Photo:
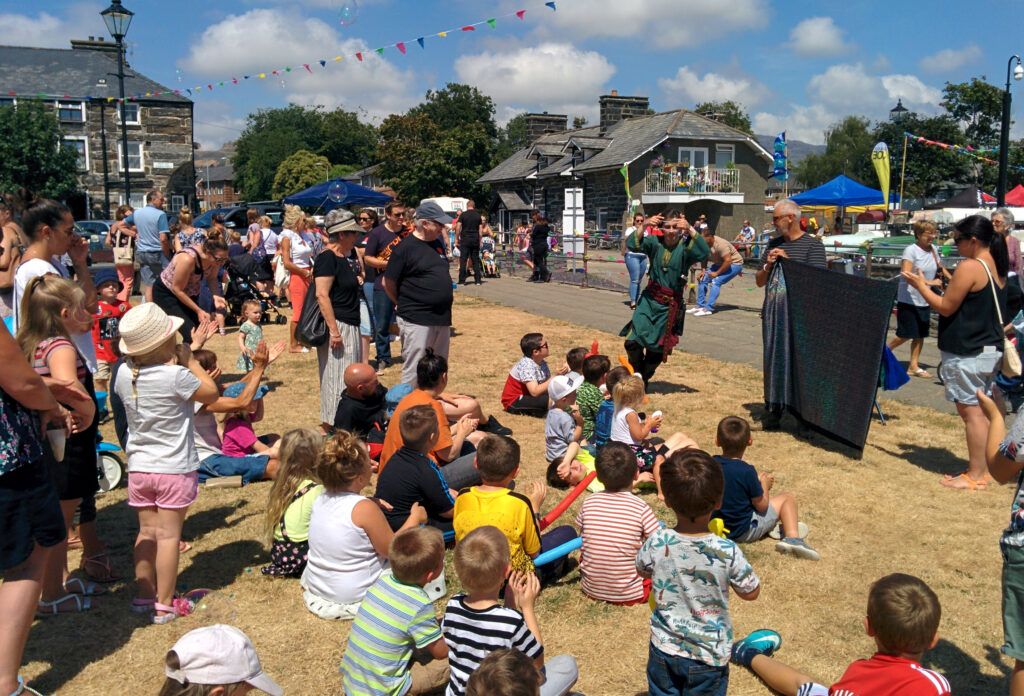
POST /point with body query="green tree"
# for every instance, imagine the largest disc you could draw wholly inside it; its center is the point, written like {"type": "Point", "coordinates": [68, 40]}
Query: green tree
{"type": "Point", "coordinates": [340, 170]}
{"type": "Point", "coordinates": [579, 122]}
{"type": "Point", "coordinates": [511, 139]}
{"type": "Point", "coordinates": [457, 105]}
{"type": "Point", "coordinates": [978, 107]}
{"type": "Point", "coordinates": [728, 112]}
{"type": "Point", "coordinates": [31, 154]}
{"type": "Point", "coordinates": [927, 167]}
{"type": "Point", "coordinates": [347, 140]}
{"type": "Point", "coordinates": [299, 171]}
{"type": "Point", "coordinates": [847, 151]}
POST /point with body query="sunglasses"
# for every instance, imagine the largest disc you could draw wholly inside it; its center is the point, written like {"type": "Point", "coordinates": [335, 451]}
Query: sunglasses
{"type": "Point", "coordinates": [221, 260]}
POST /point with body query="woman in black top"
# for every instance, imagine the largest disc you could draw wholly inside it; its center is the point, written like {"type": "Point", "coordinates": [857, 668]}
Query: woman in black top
{"type": "Point", "coordinates": [337, 292]}
{"type": "Point", "coordinates": [539, 246]}
{"type": "Point", "coordinates": [970, 334]}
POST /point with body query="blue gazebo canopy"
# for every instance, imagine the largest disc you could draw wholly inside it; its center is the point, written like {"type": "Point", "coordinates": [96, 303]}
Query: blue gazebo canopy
{"type": "Point", "coordinates": [842, 191]}
{"type": "Point", "coordinates": [348, 193]}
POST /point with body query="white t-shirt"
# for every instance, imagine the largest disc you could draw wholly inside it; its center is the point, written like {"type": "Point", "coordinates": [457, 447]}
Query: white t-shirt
{"type": "Point", "coordinates": [160, 439]}
{"type": "Point", "coordinates": [923, 260]}
{"type": "Point", "coordinates": [40, 267]}
{"type": "Point", "coordinates": [620, 429]}
{"type": "Point", "coordinates": [207, 436]}
{"type": "Point", "coordinates": [269, 241]}
{"type": "Point", "coordinates": [342, 562]}
{"type": "Point", "coordinates": [301, 250]}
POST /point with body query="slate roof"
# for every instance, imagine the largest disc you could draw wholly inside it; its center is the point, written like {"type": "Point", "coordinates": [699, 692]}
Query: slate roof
{"type": "Point", "coordinates": [556, 167]}
{"type": "Point", "coordinates": [520, 165]}
{"type": "Point", "coordinates": [220, 172]}
{"type": "Point", "coordinates": [589, 143]}
{"type": "Point", "coordinates": [513, 201]}
{"type": "Point", "coordinates": [56, 72]}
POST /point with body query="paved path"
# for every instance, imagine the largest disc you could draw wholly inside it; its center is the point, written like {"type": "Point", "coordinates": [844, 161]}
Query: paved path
{"type": "Point", "coordinates": [732, 334]}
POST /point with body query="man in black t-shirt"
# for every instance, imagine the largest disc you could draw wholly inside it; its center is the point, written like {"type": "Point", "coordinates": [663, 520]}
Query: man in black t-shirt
{"type": "Point", "coordinates": [540, 247]}
{"type": "Point", "coordinates": [362, 410]}
{"type": "Point", "coordinates": [467, 238]}
{"type": "Point", "coordinates": [379, 245]}
{"type": "Point", "coordinates": [417, 281]}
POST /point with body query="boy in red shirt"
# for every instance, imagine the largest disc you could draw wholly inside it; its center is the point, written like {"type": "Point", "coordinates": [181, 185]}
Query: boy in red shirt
{"type": "Point", "coordinates": [105, 333]}
{"type": "Point", "coordinates": [903, 618]}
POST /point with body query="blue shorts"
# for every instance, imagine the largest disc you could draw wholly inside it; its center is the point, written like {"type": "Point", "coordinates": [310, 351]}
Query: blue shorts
{"type": "Point", "coordinates": [151, 265]}
{"type": "Point", "coordinates": [250, 468]}
{"type": "Point", "coordinates": [760, 524]}
{"type": "Point", "coordinates": [963, 375]}
{"type": "Point", "coordinates": [365, 319]}
{"type": "Point", "coordinates": [669, 675]}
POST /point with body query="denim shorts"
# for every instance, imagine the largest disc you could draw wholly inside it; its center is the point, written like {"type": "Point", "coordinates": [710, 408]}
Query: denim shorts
{"type": "Point", "coordinates": [963, 375]}
{"type": "Point", "coordinates": [1013, 601]}
{"type": "Point", "coordinates": [760, 524]}
{"type": "Point", "coordinates": [151, 265]}
{"type": "Point", "coordinates": [365, 319]}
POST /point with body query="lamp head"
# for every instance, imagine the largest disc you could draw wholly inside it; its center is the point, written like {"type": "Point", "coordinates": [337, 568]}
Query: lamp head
{"type": "Point", "coordinates": [1018, 71]}
{"type": "Point", "coordinates": [117, 18]}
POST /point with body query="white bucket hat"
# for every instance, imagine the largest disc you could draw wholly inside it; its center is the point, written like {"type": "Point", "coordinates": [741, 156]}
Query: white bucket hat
{"type": "Point", "coordinates": [145, 328]}
{"type": "Point", "coordinates": [218, 655]}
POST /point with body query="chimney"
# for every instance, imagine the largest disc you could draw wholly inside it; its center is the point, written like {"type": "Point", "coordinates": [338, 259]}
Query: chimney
{"type": "Point", "coordinates": [615, 108]}
{"type": "Point", "coordinates": [94, 44]}
{"type": "Point", "coordinates": [539, 124]}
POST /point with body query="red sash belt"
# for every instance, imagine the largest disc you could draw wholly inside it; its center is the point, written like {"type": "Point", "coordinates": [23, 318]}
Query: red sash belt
{"type": "Point", "coordinates": [673, 299]}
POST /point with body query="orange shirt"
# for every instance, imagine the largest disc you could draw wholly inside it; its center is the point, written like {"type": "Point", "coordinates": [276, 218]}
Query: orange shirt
{"type": "Point", "coordinates": [393, 438]}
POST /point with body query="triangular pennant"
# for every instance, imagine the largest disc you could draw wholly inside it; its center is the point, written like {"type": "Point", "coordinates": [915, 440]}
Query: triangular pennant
{"type": "Point", "coordinates": [245, 77]}
{"type": "Point", "coordinates": [420, 42]}
{"type": "Point", "coordinates": [234, 80]}
{"type": "Point", "coordinates": [189, 92]}
{"type": "Point", "coordinates": [359, 57]}
{"type": "Point", "coordinates": [262, 75]}
{"type": "Point", "coordinates": [442, 34]}
{"type": "Point", "coordinates": [323, 64]}
{"type": "Point", "coordinates": [306, 66]}
{"type": "Point", "coordinates": [221, 84]}
{"type": "Point", "coordinates": [520, 13]}
{"type": "Point", "coordinates": [469, 28]}
{"type": "Point", "coordinates": [491, 22]}
{"type": "Point", "coordinates": [551, 5]}
{"type": "Point", "coordinates": [287, 69]}
{"type": "Point", "coordinates": [401, 47]}
{"type": "Point", "coordinates": [379, 51]}
{"type": "Point", "coordinates": [209, 87]}
{"type": "Point", "coordinates": [337, 58]}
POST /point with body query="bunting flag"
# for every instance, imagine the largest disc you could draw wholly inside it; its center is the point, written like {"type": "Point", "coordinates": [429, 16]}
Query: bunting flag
{"type": "Point", "coordinates": [195, 91]}
{"type": "Point", "coordinates": [960, 149]}
{"type": "Point", "coordinates": [625, 175]}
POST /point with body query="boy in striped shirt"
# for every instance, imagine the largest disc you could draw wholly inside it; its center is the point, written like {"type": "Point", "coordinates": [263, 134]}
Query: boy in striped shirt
{"type": "Point", "coordinates": [614, 524]}
{"type": "Point", "coordinates": [475, 623]}
{"type": "Point", "coordinates": [395, 645]}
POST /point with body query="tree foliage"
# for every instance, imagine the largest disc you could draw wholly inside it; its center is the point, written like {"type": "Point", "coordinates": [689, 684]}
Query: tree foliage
{"type": "Point", "coordinates": [847, 151]}
{"type": "Point", "coordinates": [978, 106]}
{"type": "Point", "coordinates": [456, 105]}
{"type": "Point", "coordinates": [511, 138]}
{"type": "Point", "coordinates": [728, 112]}
{"type": "Point", "coordinates": [299, 171]}
{"type": "Point", "coordinates": [31, 154]}
{"type": "Point", "coordinates": [578, 122]}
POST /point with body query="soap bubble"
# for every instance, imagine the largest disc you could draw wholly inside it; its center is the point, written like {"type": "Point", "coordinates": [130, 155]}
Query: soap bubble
{"type": "Point", "coordinates": [178, 73]}
{"type": "Point", "coordinates": [209, 607]}
{"type": "Point", "coordinates": [336, 192]}
{"type": "Point", "coordinates": [348, 12]}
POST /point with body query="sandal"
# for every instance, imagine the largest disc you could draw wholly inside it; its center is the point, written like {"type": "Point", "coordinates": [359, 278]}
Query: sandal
{"type": "Point", "coordinates": [24, 689]}
{"type": "Point", "coordinates": [98, 568]}
{"type": "Point", "coordinates": [184, 546]}
{"type": "Point", "coordinates": [53, 608]}
{"type": "Point", "coordinates": [142, 605]}
{"type": "Point", "coordinates": [169, 615]}
{"type": "Point", "coordinates": [74, 541]}
{"type": "Point", "coordinates": [77, 586]}
{"type": "Point", "coordinates": [919, 373]}
{"type": "Point", "coordinates": [972, 485]}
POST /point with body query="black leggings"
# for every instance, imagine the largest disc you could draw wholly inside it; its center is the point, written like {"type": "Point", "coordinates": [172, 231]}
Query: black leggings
{"type": "Point", "coordinates": [644, 362]}
{"type": "Point", "coordinates": [540, 263]}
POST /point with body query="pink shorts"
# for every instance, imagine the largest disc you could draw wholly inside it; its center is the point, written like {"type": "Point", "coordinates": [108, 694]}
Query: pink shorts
{"type": "Point", "coordinates": [162, 490]}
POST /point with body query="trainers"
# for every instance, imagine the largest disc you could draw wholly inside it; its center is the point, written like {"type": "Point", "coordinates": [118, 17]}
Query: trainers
{"type": "Point", "coordinates": [495, 428]}
{"type": "Point", "coordinates": [703, 313]}
{"type": "Point", "coordinates": [797, 547]}
{"type": "Point", "coordinates": [760, 642]}
{"type": "Point", "coordinates": [693, 310]}
{"type": "Point", "coordinates": [801, 532]}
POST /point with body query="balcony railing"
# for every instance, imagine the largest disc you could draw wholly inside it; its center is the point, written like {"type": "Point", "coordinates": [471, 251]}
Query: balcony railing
{"type": "Point", "coordinates": [692, 181]}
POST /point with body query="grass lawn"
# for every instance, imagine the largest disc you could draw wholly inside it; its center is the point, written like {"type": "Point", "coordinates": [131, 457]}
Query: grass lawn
{"type": "Point", "coordinates": [879, 513]}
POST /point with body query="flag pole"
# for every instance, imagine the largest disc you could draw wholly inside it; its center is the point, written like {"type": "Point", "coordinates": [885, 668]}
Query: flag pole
{"type": "Point", "coordinates": [903, 168]}
{"type": "Point", "coordinates": [785, 182]}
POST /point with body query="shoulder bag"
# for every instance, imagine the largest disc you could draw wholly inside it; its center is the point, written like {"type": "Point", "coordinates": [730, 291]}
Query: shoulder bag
{"type": "Point", "coordinates": [311, 329]}
{"type": "Point", "coordinates": [124, 255]}
{"type": "Point", "coordinates": [1011, 365]}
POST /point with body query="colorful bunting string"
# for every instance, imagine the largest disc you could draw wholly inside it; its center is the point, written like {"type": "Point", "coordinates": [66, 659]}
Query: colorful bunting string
{"type": "Point", "coordinates": [398, 45]}
{"type": "Point", "coordinates": [960, 149]}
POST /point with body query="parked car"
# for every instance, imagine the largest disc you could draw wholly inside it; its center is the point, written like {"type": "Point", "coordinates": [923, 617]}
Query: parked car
{"type": "Point", "coordinates": [234, 216]}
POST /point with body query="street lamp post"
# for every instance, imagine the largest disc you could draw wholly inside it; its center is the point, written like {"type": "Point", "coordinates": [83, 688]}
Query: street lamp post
{"type": "Point", "coordinates": [327, 170]}
{"type": "Point", "coordinates": [118, 18]}
{"type": "Point", "coordinates": [1004, 139]}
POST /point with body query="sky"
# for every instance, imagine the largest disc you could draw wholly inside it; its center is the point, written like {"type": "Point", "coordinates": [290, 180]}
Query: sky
{"type": "Point", "coordinates": [794, 65]}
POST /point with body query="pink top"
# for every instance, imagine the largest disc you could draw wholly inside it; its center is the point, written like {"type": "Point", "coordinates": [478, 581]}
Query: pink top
{"type": "Point", "coordinates": [194, 281]}
{"type": "Point", "coordinates": [239, 438]}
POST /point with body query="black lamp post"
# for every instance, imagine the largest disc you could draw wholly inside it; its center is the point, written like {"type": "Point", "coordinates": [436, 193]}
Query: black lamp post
{"type": "Point", "coordinates": [1004, 139]}
{"type": "Point", "coordinates": [118, 19]}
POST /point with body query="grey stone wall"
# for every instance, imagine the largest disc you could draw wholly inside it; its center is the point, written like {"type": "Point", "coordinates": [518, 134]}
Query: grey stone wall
{"type": "Point", "coordinates": [614, 108]}
{"type": "Point", "coordinates": [539, 124]}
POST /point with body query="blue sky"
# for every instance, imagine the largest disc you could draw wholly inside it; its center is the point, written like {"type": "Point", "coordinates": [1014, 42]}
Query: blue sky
{"type": "Point", "coordinates": [796, 65]}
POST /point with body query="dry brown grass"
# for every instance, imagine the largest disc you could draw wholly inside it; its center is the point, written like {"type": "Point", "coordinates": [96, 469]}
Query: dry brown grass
{"type": "Point", "coordinates": [881, 513]}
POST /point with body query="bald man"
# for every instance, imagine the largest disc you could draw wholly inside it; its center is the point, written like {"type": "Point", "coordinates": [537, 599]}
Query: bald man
{"type": "Point", "coordinates": [361, 410]}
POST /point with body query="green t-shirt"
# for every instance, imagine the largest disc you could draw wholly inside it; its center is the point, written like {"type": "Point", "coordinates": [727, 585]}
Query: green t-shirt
{"type": "Point", "coordinates": [297, 514]}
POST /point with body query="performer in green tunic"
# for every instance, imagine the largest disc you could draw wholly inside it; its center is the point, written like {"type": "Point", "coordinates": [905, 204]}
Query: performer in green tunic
{"type": "Point", "coordinates": [658, 318]}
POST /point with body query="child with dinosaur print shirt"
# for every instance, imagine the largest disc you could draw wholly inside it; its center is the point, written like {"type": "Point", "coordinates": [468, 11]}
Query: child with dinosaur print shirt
{"type": "Point", "coordinates": [691, 570]}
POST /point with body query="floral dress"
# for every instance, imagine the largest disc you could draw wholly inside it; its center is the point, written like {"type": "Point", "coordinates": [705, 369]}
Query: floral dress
{"type": "Point", "coordinates": [253, 335]}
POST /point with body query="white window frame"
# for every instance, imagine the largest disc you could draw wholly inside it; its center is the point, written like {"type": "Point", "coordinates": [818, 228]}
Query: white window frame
{"type": "Point", "coordinates": [85, 142]}
{"type": "Point", "coordinates": [723, 148]}
{"type": "Point", "coordinates": [138, 113]}
{"type": "Point", "coordinates": [176, 204]}
{"type": "Point", "coordinates": [139, 200]}
{"type": "Point", "coordinates": [66, 105]}
{"type": "Point", "coordinates": [8, 101]}
{"type": "Point", "coordinates": [602, 219]}
{"type": "Point", "coordinates": [685, 154]}
{"type": "Point", "coordinates": [120, 156]}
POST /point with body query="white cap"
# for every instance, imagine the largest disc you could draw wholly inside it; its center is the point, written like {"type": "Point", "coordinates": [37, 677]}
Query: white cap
{"type": "Point", "coordinates": [562, 386]}
{"type": "Point", "coordinates": [218, 655]}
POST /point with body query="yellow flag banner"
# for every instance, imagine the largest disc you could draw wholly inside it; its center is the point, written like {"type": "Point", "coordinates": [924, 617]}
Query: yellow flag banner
{"type": "Point", "coordinates": [880, 158]}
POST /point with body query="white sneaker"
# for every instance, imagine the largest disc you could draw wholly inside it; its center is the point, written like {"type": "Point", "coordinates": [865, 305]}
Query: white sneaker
{"type": "Point", "coordinates": [693, 310]}
{"type": "Point", "coordinates": [703, 313]}
{"type": "Point", "coordinates": [776, 533]}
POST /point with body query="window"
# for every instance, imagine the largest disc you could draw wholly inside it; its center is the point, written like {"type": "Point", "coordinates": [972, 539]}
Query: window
{"type": "Point", "coordinates": [724, 154]}
{"type": "Point", "coordinates": [138, 199]}
{"type": "Point", "coordinates": [7, 101]}
{"type": "Point", "coordinates": [72, 112]}
{"type": "Point", "coordinates": [134, 156]}
{"type": "Point", "coordinates": [697, 157]}
{"type": "Point", "coordinates": [81, 147]}
{"type": "Point", "coordinates": [131, 112]}
{"type": "Point", "coordinates": [602, 219]}
{"type": "Point", "coordinates": [177, 203]}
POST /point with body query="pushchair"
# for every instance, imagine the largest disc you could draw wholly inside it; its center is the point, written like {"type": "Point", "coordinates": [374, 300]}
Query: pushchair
{"type": "Point", "coordinates": [243, 273]}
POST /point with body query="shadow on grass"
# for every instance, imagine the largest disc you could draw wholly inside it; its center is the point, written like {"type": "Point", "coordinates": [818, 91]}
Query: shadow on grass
{"type": "Point", "coordinates": [810, 434]}
{"type": "Point", "coordinates": [964, 672]}
{"type": "Point", "coordinates": [206, 521]}
{"type": "Point", "coordinates": [938, 460]}
{"type": "Point", "coordinates": [660, 387]}
{"type": "Point", "coordinates": [220, 566]}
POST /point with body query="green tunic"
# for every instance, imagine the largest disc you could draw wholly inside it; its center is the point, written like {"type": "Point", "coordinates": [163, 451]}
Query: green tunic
{"type": "Point", "coordinates": [668, 267]}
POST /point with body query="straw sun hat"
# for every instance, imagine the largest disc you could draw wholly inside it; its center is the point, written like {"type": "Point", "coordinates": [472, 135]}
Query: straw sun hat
{"type": "Point", "coordinates": [145, 328]}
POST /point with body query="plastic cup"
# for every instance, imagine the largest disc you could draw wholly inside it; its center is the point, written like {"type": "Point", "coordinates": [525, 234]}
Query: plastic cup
{"type": "Point", "coordinates": [57, 440]}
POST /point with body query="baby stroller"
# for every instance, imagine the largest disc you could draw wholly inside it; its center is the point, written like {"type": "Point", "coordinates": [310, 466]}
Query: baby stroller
{"type": "Point", "coordinates": [243, 273]}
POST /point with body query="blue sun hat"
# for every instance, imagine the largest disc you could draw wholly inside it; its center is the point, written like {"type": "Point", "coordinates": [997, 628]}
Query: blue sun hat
{"type": "Point", "coordinates": [235, 390]}
{"type": "Point", "coordinates": [394, 395]}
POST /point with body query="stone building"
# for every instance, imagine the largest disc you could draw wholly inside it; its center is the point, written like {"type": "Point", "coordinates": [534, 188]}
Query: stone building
{"type": "Point", "coordinates": [674, 159]}
{"type": "Point", "coordinates": [81, 85]}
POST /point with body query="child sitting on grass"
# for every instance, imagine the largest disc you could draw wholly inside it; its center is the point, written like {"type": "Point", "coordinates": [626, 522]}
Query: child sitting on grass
{"type": "Point", "coordinates": [526, 387]}
{"type": "Point", "coordinates": [505, 672]}
{"type": "Point", "coordinates": [574, 360]}
{"type": "Point", "coordinates": [606, 411]}
{"type": "Point", "coordinates": [563, 431]}
{"type": "Point", "coordinates": [239, 439]}
{"type": "Point", "coordinates": [691, 571]}
{"type": "Point", "coordinates": [516, 514]}
{"type": "Point", "coordinates": [395, 645]}
{"type": "Point", "coordinates": [290, 503]}
{"type": "Point", "coordinates": [475, 623]}
{"type": "Point", "coordinates": [411, 476]}
{"type": "Point", "coordinates": [903, 619]}
{"type": "Point", "coordinates": [747, 511]}
{"type": "Point", "coordinates": [614, 524]}
{"type": "Point", "coordinates": [216, 660]}
{"type": "Point", "coordinates": [589, 397]}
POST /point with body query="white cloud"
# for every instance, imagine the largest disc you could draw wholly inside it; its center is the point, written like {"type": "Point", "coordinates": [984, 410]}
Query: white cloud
{"type": "Point", "coordinates": [557, 77]}
{"type": "Point", "coordinates": [807, 123]}
{"type": "Point", "coordinates": [666, 23]}
{"type": "Point", "coordinates": [912, 91]}
{"type": "Point", "coordinates": [688, 86]}
{"type": "Point", "coordinates": [817, 37]}
{"type": "Point", "coordinates": [374, 85]}
{"type": "Point", "coordinates": [213, 124]}
{"type": "Point", "coordinates": [45, 30]}
{"type": "Point", "coordinates": [949, 59]}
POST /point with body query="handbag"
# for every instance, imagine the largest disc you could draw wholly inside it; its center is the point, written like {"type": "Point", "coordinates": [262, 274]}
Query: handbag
{"type": "Point", "coordinates": [124, 255]}
{"type": "Point", "coordinates": [311, 329]}
{"type": "Point", "coordinates": [940, 273]}
{"type": "Point", "coordinates": [1011, 365]}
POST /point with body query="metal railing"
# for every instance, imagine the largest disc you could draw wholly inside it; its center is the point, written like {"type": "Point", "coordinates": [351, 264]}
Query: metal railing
{"type": "Point", "coordinates": [692, 181]}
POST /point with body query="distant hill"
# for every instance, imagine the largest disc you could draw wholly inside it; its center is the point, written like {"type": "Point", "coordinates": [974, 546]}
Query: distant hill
{"type": "Point", "coordinates": [216, 157]}
{"type": "Point", "coordinates": [798, 149]}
